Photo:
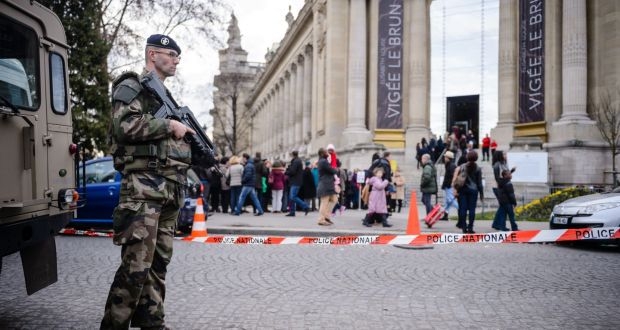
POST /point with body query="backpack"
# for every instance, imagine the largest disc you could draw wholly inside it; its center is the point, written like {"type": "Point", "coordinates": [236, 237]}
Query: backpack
{"type": "Point", "coordinates": [461, 179]}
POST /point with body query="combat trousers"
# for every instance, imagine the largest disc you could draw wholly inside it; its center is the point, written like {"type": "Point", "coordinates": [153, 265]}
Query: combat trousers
{"type": "Point", "coordinates": [145, 228]}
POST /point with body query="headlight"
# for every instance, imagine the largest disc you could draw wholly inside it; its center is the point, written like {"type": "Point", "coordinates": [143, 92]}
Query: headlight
{"type": "Point", "coordinates": [598, 207]}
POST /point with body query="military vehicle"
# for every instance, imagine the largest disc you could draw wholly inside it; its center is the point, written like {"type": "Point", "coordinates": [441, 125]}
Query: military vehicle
{"type": "Point", "coordinates": [37, 156]}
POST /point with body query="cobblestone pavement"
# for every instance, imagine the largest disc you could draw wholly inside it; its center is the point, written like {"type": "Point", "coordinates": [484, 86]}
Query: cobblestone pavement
{"type": "Point", "coordinates": [469, 286]}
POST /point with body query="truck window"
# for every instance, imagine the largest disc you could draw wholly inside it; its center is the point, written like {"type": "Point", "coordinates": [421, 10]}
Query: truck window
{"type": "Point", "coordinates": [59, 96]}
{"type": "Point", "coordinates": [19, 60]}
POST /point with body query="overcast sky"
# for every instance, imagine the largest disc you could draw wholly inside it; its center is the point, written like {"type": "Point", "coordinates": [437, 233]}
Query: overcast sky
{"type": "Point", "coordinates": [261, 24]}
{"type": "Point", "coordinates": [470, 56]}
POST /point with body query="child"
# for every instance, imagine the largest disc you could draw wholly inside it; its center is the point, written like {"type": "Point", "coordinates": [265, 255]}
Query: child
{"type": "Point", "coordinates": [507, 199]}
{"type": "Point", "coordinates": [377, 202]}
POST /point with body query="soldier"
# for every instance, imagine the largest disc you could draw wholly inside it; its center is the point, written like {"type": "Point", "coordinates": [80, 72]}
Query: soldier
{"type": "Point", "coordinates": [153, 158]}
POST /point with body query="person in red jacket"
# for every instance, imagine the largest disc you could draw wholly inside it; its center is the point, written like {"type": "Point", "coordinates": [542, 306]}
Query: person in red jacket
{"type": "Point", "coordinates": [486, 144]}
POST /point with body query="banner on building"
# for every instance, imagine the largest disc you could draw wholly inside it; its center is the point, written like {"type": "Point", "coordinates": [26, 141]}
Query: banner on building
{"type": "Point", "coordinates": [531, 61]}
{"type": "Point", "coordinates": [390, 65]}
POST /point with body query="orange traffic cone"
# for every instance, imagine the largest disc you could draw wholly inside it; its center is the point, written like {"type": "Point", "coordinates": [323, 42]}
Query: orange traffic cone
{"type": "Point", "coordinates": [199, 228]}
{"type": "Point", "coordinates": [413, 222]}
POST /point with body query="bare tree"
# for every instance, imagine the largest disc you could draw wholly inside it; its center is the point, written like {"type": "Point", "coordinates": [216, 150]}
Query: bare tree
{"type": "Point", "coordinates": [606, 111]}
{"type": "Point", "coordinates": [231, 120]}
{"type": "Point", "coordinates": [123, 21]}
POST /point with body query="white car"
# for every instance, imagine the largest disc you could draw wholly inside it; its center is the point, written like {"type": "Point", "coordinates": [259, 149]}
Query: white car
{"type": "Point", "coordinates": [590, 211]}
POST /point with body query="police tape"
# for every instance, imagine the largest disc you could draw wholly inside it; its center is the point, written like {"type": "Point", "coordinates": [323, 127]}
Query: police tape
{"type": "Point", "coordinates": [79, 232]}
{"type": "Point", "coordinates": [525, 236]}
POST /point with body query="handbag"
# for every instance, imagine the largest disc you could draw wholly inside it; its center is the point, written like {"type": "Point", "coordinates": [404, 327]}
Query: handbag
{"type": "Point", "coordinates": [228, 180]}
{"type": "Point", "coordinates": [460, 179]}
{"type": "Point", "coordinates": [366, 194]}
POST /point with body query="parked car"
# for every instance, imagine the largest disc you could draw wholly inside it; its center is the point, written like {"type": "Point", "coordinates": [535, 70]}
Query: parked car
{"type": "Point", "coordinates": [102, 188]}
{"type": "Point", "coordinates": [590, 211]}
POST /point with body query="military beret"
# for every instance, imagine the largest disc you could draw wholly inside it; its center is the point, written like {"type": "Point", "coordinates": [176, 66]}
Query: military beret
{"type": "Point", "coordinates": [163, 41]}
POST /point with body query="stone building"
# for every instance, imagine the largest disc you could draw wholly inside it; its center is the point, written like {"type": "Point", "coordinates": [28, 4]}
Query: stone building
{"type": "Point", "coordinates": [231, 127]}
{"type": "Point", "coordinates": [356, 73]}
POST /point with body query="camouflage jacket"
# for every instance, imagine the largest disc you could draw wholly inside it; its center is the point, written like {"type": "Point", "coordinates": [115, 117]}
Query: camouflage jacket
{"type": "Point", "coordinates": [138, 140]}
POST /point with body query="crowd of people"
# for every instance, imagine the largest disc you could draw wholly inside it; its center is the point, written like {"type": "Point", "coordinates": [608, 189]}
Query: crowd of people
{"type": "Point", "coordinates": [323, 185]}
{"type": "Point", "coordinates": [294, 186]}
{"type": "Point", "coordinates": [462, 181]}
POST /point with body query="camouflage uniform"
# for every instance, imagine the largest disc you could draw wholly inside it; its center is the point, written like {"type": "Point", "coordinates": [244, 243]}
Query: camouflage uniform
{"type": "Point", "coordinates": [154, 165]}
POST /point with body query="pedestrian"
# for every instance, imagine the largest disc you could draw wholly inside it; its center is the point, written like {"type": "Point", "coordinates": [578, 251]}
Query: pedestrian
{"type": "Point", "coordinates": [471, 138]}
{"type": "Point", "coordinates": [150, 192]}
{"type": "Point", "coordinates": [202, 174]}
{"type": "Point", "coordinates": [234, 173]}
{"type": "Point", "coordinates": [386, 165]}
{"type": "Point", "coordinates": [507, 200]}
{"type": "Point", "coordinates": [340, 180]}
{"type": "Point", "coordinates": [418, 154]}
{"type": "Point", "coordinates": [214, 176]}
{"type": "Point", "coordinates": [248, 182]}
{"type": "Point", "coordinates": [446, 186]}
{"type": "Point", "coordinates": [326, 190]}
{"type": "Point", "coordinates": [225, 187]}
{"type": "Point", "coordinates": [428, 183]}
{"type": "Point", "coordinates": [277, 181]}
{"type": "Point", "coordinates": [377, 206]}
{"type": "Point", "coordinates": [493, 149]}
{"type": "Point", "coordinates": [261, 172]}
{"type": "Point", "coordinates": [500, 165]}
{"type": "Point", "coordinates": [468, 193]}
{"type": "Point", "coordinates": [486, 144]}
{"type": "Point", "coordinates": [308, 187]}
{"type": "Point", "coordinates": [399, 195]}
{"type": "Point", "coordinates": [315, 176]}
{"type": "Point", "coordinates": [333, 158]}
{"type": "Point", "coordinates": [294, 172]}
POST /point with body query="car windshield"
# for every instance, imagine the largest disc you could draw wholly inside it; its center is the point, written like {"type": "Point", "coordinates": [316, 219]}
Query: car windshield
{"type": "Point", "coordinates": [18, 64]}
{"type": "Point", "coordinates": [99, 172]}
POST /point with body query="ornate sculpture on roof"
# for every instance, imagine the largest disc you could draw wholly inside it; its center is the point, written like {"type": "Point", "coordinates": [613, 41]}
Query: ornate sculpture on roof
{"type": "Point", "coordinates": [234, 35]}
{"type": "Point", "coordinates": [289, 17]}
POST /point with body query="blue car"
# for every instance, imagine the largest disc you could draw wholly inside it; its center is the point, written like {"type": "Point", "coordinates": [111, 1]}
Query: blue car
{"type": "Point", "coordinates": [102, 188]}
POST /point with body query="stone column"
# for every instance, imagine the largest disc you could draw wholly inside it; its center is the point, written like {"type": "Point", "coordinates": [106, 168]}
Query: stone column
{"type": "Point", "coordinates": [270, 122]}
{"type": "Point", "coordinates": [299, 92]}
{"type": "Point", "coordinates": [356, 131]}
{"type": "Point", "coordinates": [336, 43]}
{"type": "Point", "coordinates": [419, 75]}
{"type": "Point", "coordinates": [507, 73]}
{"type": "Point", "coordinates": [290, 112]}
{"type": "Point", "coordinates": [281, 116]}
{"type": "Point", "coordinates": [263, 126]}
{"type": "Point", "coordinates": [307, 92]}
{"type": "Point", "coordinates": [574, 61]}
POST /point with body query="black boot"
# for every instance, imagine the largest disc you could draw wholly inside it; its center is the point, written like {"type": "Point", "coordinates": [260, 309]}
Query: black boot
{"type": "Point", "coordinates": [385, 222]}
{"type": "Point", "coordinates": [365, 222]}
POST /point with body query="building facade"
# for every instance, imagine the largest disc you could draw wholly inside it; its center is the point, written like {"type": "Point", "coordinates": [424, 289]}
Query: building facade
{"type": "Point", "coordinates": [356, 74]}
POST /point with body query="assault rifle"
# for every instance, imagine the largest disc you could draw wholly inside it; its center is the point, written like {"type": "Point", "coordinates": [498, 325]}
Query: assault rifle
{"type": "Point", "coordinates": [201, 146]}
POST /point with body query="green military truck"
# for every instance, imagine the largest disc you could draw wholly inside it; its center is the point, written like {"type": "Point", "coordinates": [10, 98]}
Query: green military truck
{"type": "Point", "coordinates": [37, 164]}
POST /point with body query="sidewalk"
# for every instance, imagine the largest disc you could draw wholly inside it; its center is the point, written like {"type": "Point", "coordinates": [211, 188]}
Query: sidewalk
{"type": "Point", "coordinates": [349, 223]}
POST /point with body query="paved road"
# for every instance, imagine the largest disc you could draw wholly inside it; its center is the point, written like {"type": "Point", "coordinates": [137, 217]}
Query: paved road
{"type": "Point", "coordinates": [471, 286]}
